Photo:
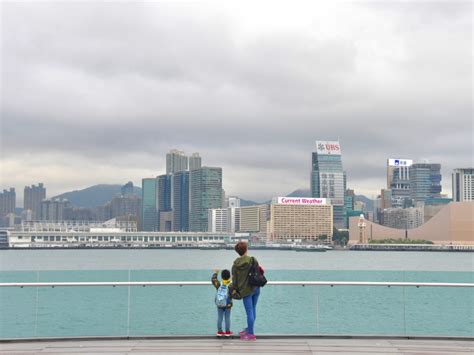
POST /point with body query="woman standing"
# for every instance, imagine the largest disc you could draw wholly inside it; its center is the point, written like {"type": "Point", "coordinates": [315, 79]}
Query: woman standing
{"type": "Point", "coordinates": [243, 289]}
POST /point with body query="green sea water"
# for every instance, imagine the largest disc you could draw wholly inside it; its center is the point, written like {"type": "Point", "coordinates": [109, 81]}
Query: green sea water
{"type": "Point", "coordinates": [190, 310]}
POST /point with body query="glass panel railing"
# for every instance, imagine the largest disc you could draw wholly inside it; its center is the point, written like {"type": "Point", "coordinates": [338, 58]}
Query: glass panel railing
{"type": "Point", "coordinates": [74, 311]}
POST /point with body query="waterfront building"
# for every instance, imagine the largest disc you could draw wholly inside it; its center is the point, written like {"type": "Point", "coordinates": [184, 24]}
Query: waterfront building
{"type": "Point", "coordinates": [126, 206]}
{"type": "Point", "coordinates": [150, 218]}
{"type": "Point", "coordinates": [176, 161]}
{"type": "Point", "coordinates": [299, 219]}
{"type": "Point", "coordinates": [253, 219]}
{"type": "Point", "coordinates": [425, 181]}
{"type": "Point", "coordinates": [205, 185]}
{"type": "Point", "coordinates": [463, 185]}
{"type": "Point", "coordinates": [55, 209]}
{"type": "Point", "coordinates": [163, 195]}
{"type": "Point", "coordinates": [194, 161]}
{"type": "Point", "coordinates": [327, 178]}
{"type": "Point", "coordinates": [180, 201]}
{"type": "Point", "coordinates": [113, 233]}
{"type": "Point", "coordinates": [403, 218]}
{"type": "Point", "coordinates": [233, 206]}
{"type": "Point", "coordinates": [218, 220]}
{"type": "Point", "coordinates": [398, 181]}
{"type": "Point", "coordinates": [7, 202]}
{"type": "Point", "coordinates": [452, 225]}
{"type": "Point", "coordinates": [32, 198]}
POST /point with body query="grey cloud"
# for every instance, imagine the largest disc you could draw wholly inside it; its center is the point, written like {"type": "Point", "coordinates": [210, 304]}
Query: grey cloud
{"type": "Point", "coordinates": [109, 80]}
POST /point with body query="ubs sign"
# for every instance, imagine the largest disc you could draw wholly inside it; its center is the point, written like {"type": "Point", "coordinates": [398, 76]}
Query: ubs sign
{"type": "Point", "coordinates": [328, 147]}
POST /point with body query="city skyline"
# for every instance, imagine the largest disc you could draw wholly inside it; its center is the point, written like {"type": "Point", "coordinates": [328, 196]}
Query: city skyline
{"type": "Point", "coordinates": [250, 90]}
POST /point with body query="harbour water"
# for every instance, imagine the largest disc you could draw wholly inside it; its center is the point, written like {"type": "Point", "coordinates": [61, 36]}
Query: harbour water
{"type": "Point", "coordinates": [190, 310]}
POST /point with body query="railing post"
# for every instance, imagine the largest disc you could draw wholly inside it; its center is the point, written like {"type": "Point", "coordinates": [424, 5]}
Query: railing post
{"type": "Point", "coordinates": [128, 306]}
{"type": "Point", "coordinates": [36, 305]}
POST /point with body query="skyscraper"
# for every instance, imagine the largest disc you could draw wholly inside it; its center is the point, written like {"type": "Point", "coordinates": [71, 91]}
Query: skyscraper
{"type": "Point", "coordinates": [180, 201]}
{"type": "Point", "coordinates": [327, 178]}
{"type": "Point", "coordinates": [55, 210]}
{"type": "Point", "coordinates": [398, 180]}
{"type": "Point", "coordinates": [194, 161]}
{"type": "Point", "coordinates": [463, 185]}
{"type": "Point", "coordinates": [127, 189]}
{"type": "Point", "coordinates": [425, 181]}
{"type": "Point", "coordinates": [205, 185]}
{"type": "Point", "coordinates": [7, 202]}
{"type": "Point", "coordinates": [163, 200]}
{"type": "Point", "coordinates": [176, 161]}
{"type": "Point", "coordinates": [150, 219]}
{"type": "Point", "coordinates": [32, 198]}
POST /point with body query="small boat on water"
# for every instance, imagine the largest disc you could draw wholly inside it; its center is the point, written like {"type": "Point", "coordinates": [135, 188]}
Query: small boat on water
{"type": "Point", "coordinates": [314, 248]}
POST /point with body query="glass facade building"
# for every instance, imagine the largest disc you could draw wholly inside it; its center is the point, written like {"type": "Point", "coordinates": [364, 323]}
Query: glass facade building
{"type": "Point", "coordinates": [150, 218]}
{"type": "Point", "coordinates": [328, 180]}
{"type": "Point", "coordinates": [205, 185]}
{"type": "Point", "coordinates": [425, 181]}
{"type": "Point", "coordinates": [180, 201]}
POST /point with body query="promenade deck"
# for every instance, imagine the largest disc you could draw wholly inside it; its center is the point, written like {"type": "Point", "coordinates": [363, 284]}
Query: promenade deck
{"type": "Point", "coordinates": [264, 345]}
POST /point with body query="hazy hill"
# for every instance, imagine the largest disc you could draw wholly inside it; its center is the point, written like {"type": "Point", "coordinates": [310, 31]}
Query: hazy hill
{"type": "Point", "coordinates": [94, 196]}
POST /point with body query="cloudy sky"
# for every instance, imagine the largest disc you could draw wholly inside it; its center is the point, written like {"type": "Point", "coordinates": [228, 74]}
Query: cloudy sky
{"type": "Point", "coordinates": [98, 91]}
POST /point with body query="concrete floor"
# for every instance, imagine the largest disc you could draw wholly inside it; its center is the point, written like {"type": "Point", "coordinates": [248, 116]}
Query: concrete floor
{"type": "Point", "coordinates": [236, 346]}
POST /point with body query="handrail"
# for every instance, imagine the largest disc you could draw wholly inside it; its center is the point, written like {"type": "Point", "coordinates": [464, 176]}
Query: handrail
{"type": "Point", "coordinates": [207, 283]}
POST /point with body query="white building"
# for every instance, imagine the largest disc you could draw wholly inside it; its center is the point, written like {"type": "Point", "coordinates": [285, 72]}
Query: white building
{"type": "Point", "coordinates": [218, 220]}
{"type": "Point", "coordinates": [463, 185]}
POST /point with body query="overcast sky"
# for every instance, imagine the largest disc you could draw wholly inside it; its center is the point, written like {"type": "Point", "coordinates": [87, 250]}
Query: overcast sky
{"type": "Point", "coordinates": [98, 92]}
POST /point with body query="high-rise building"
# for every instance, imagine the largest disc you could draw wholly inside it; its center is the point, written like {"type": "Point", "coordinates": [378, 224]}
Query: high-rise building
{"type": "Point", "coordinates": [327, 178]}
{"type": "Point", "coordinates": [205, 185]}
{"type": "Point", "coordinates": [194, 161]}
{"type": "Point", "coordinates": [150, 218]}
{"type": "Point", "coordinates": [253, 219]}
{"type": "Point", "coordinates": [425, 181]}
{"type": "Point", "coordinates": [403, 218]}
{"type": "Point", "coordinates": [127, 189]}
{"type": "Point", "coordinates": [163, 197]}
{"type": "Point", "coordinates": [299, 218]}
{"type": "Point", "coordinates": [218, 220]}
{"type": "Point", "coordinates": [7, 202]}
{"type": "Point", "coordinates": [398, 180]}
{"type": "Point", "coordinates": [126, 207]}
{"type": "Point", "coordinates": [55, 210]}
{"type": "Point", "coordinates": [385, 199]}
{"type": "Point", "coordinates": [32, 198]}
{"type": "Point", "coordinates": [180, 201]}
{"type": "Point", "coordinates": [176, 161]}
{"type": "Point", "coordinates": [463, 185]}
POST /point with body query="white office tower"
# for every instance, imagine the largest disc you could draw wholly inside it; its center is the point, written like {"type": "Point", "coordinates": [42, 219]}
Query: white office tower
{"type": "Point", "coordinates": [463, 185]}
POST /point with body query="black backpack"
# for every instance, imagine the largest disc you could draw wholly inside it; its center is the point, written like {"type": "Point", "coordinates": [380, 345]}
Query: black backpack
{"type": "Point", "coordinates": [256, 278]}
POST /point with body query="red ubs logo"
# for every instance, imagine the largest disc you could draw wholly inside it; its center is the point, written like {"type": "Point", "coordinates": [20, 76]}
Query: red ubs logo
{"type": "Point", "coordinates": [332, 147]}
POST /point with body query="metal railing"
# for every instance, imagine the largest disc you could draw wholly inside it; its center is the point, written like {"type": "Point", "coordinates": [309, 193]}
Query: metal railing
{"type": "Point", "coordinates": [204, 283]}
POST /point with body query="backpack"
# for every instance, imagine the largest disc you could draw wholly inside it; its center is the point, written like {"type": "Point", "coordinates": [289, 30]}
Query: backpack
{"type": "Point", "coordinates": [256, 277]}
{"type": "Point", "coordinates": [222, 296]}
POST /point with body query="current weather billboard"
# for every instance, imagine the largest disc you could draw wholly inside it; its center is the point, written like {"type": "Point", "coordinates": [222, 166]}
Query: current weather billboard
{"type": "Point", "coordinates": [400, 162]}
{"type": "Point", "coordinates": [328, 147]}
{"type": "Point", "coordinates": [300, 201]}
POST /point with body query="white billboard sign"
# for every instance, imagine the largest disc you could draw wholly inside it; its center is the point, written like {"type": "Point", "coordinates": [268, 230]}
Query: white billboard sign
{"type": "Point", "coordinates": [300, 201]}
{"type": "Point", "coordinates": [400, 162]}
{"type": "Point", "coordinates": [328, 147]}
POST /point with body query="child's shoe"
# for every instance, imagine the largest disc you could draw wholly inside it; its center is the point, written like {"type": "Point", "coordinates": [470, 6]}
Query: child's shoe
{"type": "Point", "coordinates": [228, 334]}
{"type": "Point", "coordinates": [220, 333]}
{"type": "Point", "coordinates": [248, 337]}
{"type": "Point", "coordinates": [243, 332]}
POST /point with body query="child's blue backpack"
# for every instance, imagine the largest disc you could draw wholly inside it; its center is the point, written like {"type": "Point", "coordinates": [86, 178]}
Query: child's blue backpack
{"type": "Point", "coordinates": [222, 296]}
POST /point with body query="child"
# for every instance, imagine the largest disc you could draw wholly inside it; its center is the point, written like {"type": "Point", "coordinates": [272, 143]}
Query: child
{"type": "Point", "coordinates": [223, 301]}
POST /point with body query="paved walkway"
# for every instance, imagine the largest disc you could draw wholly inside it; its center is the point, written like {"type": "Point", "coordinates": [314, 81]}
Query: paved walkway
{"type": "Point", "coordinates": [235, 346]}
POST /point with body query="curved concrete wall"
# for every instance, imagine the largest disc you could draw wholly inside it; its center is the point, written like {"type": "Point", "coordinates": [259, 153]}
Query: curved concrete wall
{"type": "Point", "coordinates": [453, 224]}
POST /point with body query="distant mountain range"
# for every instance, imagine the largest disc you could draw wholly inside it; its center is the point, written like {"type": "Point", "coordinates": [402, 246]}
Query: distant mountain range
{"type": "Point", "coordinates": [96, 195]}
{"type": "Point", "coordinates": [99, 195]}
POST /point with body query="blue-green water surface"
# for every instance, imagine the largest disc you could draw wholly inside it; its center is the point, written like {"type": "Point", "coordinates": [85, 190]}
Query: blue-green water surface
{"type": "Point", "coordinates": [190, 310]}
